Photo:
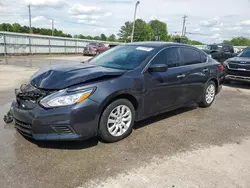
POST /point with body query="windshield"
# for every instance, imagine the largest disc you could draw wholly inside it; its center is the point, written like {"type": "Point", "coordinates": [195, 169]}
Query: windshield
{"type": "Point", "coordinates": [245, 54]}
{"type": "Point", "coordinates": [213, 47]}
{"type": "Point", "coordinates": [123, 57]}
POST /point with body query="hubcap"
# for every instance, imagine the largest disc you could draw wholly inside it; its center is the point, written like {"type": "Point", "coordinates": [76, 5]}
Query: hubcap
{"type": "Point", "coordinates": [119, 120]}
{"type": "Point", "coordinates": [210, 93]}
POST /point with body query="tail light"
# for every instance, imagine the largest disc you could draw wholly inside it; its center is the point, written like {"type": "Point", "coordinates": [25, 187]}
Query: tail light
{"type": "Point", "coordinates": [221, 68]}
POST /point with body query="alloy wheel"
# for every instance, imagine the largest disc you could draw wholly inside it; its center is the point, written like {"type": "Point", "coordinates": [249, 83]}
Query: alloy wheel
{"type": "Point", "coordinates": [119, 120]}
{"type": "Point", "coordinates": [210, 93]}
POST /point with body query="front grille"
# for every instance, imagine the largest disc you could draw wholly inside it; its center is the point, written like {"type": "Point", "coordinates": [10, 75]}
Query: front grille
{"type": "Point", "coordinates": [238, 73]}
{"type": "Point", "coordinates": [27, 96]}
{"type": "Point", "coordinates": [63, 129]}
{"type": "Point", "coordinates": [23, 128]}
{"type": "Point", "coordinates": [234, 65]}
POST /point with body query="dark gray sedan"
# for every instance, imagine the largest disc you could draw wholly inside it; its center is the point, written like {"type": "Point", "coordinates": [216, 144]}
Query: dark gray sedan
{"type": "Point", "coordinates": [105, 96]}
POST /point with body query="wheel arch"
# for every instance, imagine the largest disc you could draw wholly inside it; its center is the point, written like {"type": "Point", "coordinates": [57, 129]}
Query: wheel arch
{"type": "Point", "coordinates": [130, 97]}
{"type": "Point", "coordinates": [215, 80]}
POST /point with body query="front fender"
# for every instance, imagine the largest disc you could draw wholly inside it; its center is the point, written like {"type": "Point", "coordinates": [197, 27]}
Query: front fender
{"type": "Point", "coordinates": [108, 90]}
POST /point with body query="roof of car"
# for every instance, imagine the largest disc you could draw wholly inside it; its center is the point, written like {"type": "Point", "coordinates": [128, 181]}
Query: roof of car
{"type": "Point", "coordinates": [154, 44]}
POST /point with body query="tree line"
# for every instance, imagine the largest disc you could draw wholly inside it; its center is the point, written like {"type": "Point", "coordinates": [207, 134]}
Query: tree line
{"type": "Point", "coordinates": [25, 29]}
{"type": "Point", "coordinates": [154, 30]}
{"type": "Point", "coordinates": [238, 41]}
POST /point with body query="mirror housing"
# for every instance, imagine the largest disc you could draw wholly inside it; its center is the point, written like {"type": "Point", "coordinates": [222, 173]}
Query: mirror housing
{"type": "Point", "coordinates": [158, 68]}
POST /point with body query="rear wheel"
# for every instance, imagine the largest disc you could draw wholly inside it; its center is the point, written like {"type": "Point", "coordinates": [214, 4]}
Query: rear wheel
{"type": "Point", "coordinates": [209, 95]}
{"type": "Point", "coordinates": [117, 121]}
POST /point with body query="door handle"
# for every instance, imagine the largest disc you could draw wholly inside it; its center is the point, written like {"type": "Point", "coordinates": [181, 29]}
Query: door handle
{"type": "Point", "coordinates": [181, 76]}
{"type": "Point", "coordinates": [205, 70]}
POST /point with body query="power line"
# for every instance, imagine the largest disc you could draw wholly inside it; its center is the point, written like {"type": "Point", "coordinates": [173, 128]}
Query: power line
{"type": "Point", "coordinates": [191, 33]}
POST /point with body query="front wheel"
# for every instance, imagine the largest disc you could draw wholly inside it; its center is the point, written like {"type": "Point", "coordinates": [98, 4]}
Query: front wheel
{"type": "Point", "coordinates": [209, 95]}
{"type": "Point", "coordinates": [117, 121]}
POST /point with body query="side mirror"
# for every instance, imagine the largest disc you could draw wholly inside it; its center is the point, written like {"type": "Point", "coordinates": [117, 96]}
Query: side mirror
{"type": "Point", "coordinates": [158, 68]}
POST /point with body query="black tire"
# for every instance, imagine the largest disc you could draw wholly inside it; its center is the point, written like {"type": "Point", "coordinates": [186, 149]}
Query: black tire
{"type": "Point", "coordinates": [104, 134]}
{"type": "Point", "coordinates": [204, 103]}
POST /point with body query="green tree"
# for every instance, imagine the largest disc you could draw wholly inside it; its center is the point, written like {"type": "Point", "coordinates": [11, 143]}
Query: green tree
{"type": "Point", "coordinates": [81, 36]}
{"type": "Point", "coordinates": [6, 27]}
{"type": "Point", "coordinates": [89, 37]}
{"type": "Point", "coordinates": [240, 41]}
{"type": "Point", "coordinates": [125, 32]}
{"type": "Point", "coordinates": [143, 31]}
{"type": "Point", "coordinates": [227, 42]}
{"type": "Point", "coordinates": [24, 29]}
{"type": "Point", "coordinates": [112, 38]}
{"type": "Point", "coordinates": [16, 28]}
{"type": "Point", "coordinates": [159, 30]}
{"type": "Point", "coordinates": [97, 38]}
{"type": "Point", "coordinates": [103, 37]}
{"type": "Point", "coordinates": [194, 42]}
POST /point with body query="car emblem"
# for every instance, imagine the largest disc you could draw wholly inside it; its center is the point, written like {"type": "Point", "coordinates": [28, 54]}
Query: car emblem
{"type": "Point", "coordinates": [243, 62]}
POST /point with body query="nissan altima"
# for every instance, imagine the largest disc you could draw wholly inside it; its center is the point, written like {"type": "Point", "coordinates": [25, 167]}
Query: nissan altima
{"type": "Point", "coordinates": [107, 94]}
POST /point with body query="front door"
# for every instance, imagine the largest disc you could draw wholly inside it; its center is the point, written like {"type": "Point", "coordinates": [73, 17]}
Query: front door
{"type": "Point", "coordinates": [163, 90]}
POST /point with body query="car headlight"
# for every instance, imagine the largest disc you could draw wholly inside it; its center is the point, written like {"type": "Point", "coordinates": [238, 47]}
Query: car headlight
{"type": "Point", "coordinates": [225, 63]}
{"type": "Point", "coordinates": [66, 98]}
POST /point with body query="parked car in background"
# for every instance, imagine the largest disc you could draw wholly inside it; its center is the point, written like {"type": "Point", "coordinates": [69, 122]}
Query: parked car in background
{"type": "Point", "coordinates": [220, 52]}
{"type": "Point", "coordinates": [94, 48]}
{"type": "Point", "coordinates": [106, 95]}
{"type": "Point", "coordinates": [112, 45]}
{"type": "Point", "coordinates": [238, 68]}
{"type": "Point", "coordinates": [237, 50]}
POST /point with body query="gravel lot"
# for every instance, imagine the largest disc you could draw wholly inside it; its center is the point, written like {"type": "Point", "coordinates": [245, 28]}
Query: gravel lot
{"type": "Point", "coordinates": [190, 147]}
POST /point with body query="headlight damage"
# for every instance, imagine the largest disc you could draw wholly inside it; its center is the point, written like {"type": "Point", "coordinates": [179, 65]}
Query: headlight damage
{"type": "Point", "coordinates": [66, 97]}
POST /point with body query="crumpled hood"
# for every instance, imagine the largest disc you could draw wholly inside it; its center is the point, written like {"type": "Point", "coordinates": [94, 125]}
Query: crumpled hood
{"type": "Point", "coordinates": [240, 59]}
{"type": "Point", "coordinates": [63, 76]}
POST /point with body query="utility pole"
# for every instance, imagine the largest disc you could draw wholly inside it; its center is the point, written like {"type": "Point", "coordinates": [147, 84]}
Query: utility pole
{"type": "Point", "coordinates": [52, 27]}
{"type": "Point", "coordinates": [183, 26]}
{"type": "Point", "coordinates": [133, 29]}
{"type": "Point", "coordinates": [30, 19]}
{"type": "Point", "coordinates": [185, 31]}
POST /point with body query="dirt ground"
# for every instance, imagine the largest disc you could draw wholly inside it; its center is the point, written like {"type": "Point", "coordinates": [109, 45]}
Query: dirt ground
{"type": "Point", "coordinates": [187, 148]}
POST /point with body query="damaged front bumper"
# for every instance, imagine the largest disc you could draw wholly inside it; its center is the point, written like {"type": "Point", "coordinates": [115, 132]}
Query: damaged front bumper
{"type": "Point", "coordinates": [77, 122]}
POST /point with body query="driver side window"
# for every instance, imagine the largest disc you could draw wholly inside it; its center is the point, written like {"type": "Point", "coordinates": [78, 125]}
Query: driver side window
{"type": "Point", "coordinates": [169, 57]}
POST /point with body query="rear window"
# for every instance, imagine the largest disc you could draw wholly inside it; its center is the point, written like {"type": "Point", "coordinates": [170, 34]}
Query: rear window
{"type": "Point", "coordinates": [189, 56]}
{"type": "Point", "coordinates": [227, 48]}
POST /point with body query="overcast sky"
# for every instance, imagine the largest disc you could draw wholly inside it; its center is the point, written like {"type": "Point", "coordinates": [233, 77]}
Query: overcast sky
{"type": "Point", "coordinates": [209, 21]}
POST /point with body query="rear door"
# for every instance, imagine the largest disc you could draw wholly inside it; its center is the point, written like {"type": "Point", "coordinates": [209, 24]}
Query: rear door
{"type": "Point", "coordinates": [164, 89]}
{"type": "Point", "coordinates": [197, 72]}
